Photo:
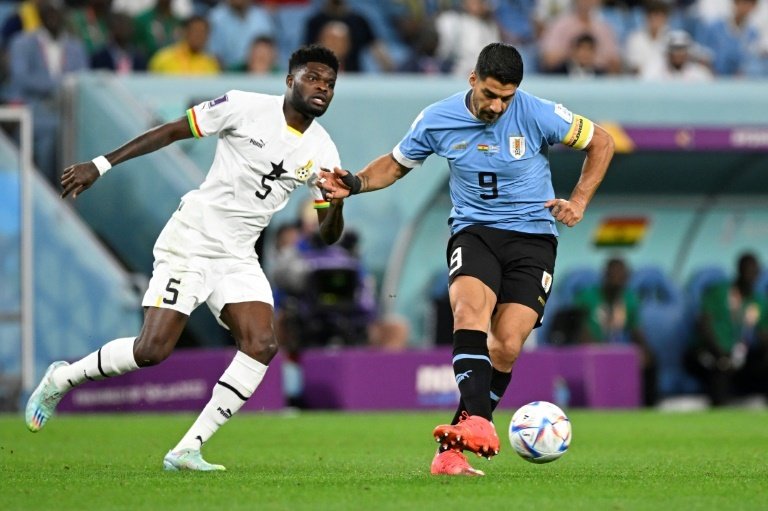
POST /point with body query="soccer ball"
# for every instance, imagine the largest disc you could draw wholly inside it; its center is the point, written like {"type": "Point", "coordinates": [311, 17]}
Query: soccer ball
{"type": "Point", "coordinates": [540, 432]}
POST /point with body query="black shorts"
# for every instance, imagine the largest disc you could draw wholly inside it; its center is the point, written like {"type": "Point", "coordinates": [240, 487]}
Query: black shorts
{"type": "Point", "coordinates": [517, 266]}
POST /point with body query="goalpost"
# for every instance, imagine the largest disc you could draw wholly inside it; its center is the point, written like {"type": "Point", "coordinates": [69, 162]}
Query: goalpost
{"type": "Point", "coordinates": [25, 315]}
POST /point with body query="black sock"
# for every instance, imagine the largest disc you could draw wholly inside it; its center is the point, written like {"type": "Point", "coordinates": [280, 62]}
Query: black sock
{"type": "Point", "coordinates": [472, 367]}
{"type": "Point", "coordinates": [499, 383]}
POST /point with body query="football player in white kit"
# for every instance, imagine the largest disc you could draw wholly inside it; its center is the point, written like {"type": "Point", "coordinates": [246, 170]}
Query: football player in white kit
{"type": "Point", "coordinates": [267, 147]}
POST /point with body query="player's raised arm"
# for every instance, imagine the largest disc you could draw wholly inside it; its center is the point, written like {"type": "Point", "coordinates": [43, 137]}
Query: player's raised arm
{"type": "Point", "coordinates": [79, 177]}
{"type": "Point", "coordinates": [380, 173]}
{"type": "Point", "coordinates": [599, 153]}
{"type": "Point", "coordinates": [598, 145]}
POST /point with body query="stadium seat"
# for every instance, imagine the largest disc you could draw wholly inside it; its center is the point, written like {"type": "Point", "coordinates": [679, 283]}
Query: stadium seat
{"type": "Point", "coordinates": [699, 281]}
{"type": "Point", "coordinates": [667, 331]}
{"type": "Point", "coordinates": [762, 284]}
{"type": "Point", "coordinates": [574, 281]}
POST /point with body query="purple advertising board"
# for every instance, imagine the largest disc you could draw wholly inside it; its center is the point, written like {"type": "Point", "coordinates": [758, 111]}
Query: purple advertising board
{"type": "Point", "coordinates": [365, 379]}
{"type": "Point", "coordinates": [181, 383]}
{"type": "Point", "coordinates": [698, 138]}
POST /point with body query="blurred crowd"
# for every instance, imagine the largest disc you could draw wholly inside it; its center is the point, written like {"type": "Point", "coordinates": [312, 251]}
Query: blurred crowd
{"type": "Point", "coordinates": [44, 40]}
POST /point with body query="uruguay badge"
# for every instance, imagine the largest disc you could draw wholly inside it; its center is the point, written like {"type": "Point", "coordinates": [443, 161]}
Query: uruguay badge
{"type": "Point", "coordinates": [517, 147]}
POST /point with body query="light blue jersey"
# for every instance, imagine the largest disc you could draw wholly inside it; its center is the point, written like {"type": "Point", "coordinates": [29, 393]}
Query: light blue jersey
{"type": "Point", "coordinates": [500, 175]}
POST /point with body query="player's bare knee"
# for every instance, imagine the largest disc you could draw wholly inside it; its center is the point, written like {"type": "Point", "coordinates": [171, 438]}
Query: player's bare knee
{"type": "Point", "coordinates": [261, 347]}
{"type": "Point", "coordinates": [467, 317]}
{"type": "Point", "coordinates": [506, 352]}
{"type": "Point", "coordinates": [149, 352]}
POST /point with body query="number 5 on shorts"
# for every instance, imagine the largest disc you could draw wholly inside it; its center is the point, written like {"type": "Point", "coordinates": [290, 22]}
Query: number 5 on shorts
{"type": "Point", "coordinates": [173, 291]}
{"type": "Point", "coordinates": [455, 261]}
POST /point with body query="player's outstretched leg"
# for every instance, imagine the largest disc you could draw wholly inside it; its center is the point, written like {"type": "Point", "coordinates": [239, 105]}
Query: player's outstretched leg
{"type": "Point", "coordinates": [43, 401]}
{"type": "Point", "coordinates": [232, 390]}
{"type": "Point", "coordinates": [188, 459]}
{"type": "Point", "coordinates": [452, 463]}
{"type": "Point", "coordinates": [473, 433]}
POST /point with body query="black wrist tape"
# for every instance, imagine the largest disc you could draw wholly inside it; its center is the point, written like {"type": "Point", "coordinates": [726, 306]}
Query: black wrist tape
{"type": "Point", "coordinates": [353, 182]}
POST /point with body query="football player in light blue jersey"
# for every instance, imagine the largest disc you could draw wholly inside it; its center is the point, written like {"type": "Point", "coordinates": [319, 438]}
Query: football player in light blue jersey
{"type": "Point", "coordinates": [501, 255]}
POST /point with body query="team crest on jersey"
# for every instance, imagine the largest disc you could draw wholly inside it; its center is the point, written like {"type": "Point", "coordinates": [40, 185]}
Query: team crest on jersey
{"type": "Point", "coordinates": [517, 147]}
{"type": "Point", "coordinates": [303, 172]}
{"type": "Point", "coordinates": [212, 103]}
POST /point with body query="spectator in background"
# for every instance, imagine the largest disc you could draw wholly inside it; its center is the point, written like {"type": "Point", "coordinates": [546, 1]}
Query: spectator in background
{"type": "Point", "coordinates": [336, 37]}
{"type": "Point", "coordinates": [545, 11]}
{"type": "Point", "coordinates": [516, 19]}
{"type": "Point", "coordinates": [188, 56]}
{"type": "Point", "coordinates": [411, 16]}
{"type": "Point", "coordinates": [730, 355]}
{"type": "Point", "coordinates": [582, 62]}
{"type": "Point", "coordinates": [323, 297]}
{"type": "Point", "coordinates": [262, 56]}
{"type": "Point", "coordinates": [361, 35]}
{"type": "Point", "coordinates": [679, 64]}
{"type": "Point", "coordinates": [584, 17]}
{"type": "Point", "coordinates": [180, 9]}
{"type": "Point", "coordinates": [157, 27]}
{"type": "Point", "coordinates": [327, 298]}
{"type": "Point", "coordinates": [119, 55]}
{"type": "Point", "coordinates": [25, 19]}
{"type": "Point", "coordinates": [732, 39]}
{"type": "Point", "coordinates": [463, 34]}
{"type": "Point", "coordinates": [91, 24]}
{"type": "Point", "coordinates": [612, 315]}
{"type": "Point", "coordinates": [39, 61]}
{"type": "Point", "coordinates": [234, 26]}
{"type": "Point", "coordinates": [423, 58]}
{"type": "Point", "coordinates": [647, 45]}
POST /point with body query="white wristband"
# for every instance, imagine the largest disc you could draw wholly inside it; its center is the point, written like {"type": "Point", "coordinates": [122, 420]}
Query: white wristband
{"type": "Point", "coordinates": [102, 164]}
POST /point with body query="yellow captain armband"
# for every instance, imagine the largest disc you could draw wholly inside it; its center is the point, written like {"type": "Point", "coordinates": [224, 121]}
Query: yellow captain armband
{"type": "Point", "coordinates": [321, 204]}
{"type": "Point", "coordinates": [580, 133]}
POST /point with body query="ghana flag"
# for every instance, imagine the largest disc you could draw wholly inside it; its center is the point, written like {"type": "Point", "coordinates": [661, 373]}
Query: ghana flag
{"type": "Point", "coordinates": [620, 231]}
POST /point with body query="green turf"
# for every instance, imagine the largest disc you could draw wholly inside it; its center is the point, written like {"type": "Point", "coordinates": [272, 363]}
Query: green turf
{"type": "Point", "coordinates": [315, 461]}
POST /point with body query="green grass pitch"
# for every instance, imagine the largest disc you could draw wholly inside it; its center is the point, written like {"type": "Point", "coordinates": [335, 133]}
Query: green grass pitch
{"type": "Point", "coordinates": [380, 461]}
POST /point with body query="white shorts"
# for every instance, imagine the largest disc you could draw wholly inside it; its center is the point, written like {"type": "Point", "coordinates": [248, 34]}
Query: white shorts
{"type": "Point", "coordinates": [191, 268]}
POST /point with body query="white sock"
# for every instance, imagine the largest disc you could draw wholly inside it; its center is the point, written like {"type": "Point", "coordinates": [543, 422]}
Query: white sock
{"type": "Point", "coordinates": [233, 389]}
{"type": "Point", "coordinates": [115, 357]}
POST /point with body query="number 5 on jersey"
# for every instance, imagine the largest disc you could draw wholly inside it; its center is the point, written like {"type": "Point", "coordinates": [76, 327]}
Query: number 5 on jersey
{"type": "Point", "coordinates": [173, 292]}
{"type": "Point", "coordinates": [455, 263]}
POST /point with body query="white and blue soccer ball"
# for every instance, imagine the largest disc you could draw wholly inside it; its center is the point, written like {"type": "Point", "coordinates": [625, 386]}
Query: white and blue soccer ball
{"type": "Point", "coordinates": [540, 432]}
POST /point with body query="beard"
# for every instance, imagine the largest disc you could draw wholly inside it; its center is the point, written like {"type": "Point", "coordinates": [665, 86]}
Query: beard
{"type": "Point", "coordinates": [306, 108]}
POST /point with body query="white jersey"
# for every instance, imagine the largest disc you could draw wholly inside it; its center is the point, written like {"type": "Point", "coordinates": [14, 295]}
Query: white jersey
{"type": "Point", "coordinates": [259, 161]}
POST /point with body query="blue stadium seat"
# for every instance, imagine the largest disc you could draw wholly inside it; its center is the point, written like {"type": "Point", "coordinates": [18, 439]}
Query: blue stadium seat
{"type": "Point", "coordinates": [699, 281]}
{"type": "Point", "coordinates": [664, 321]}
{"type": "Point", "coordinates": [762, 284]}
{"type": "Point", "coordinates": [574, 281]}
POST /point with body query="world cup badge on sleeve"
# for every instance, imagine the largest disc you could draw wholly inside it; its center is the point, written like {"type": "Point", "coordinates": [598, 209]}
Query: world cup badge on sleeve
{"type": "Point", "coordinates": [517, 147]}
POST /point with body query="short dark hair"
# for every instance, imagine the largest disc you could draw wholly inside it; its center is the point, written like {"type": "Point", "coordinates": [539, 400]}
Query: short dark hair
{"type": "Point", "coordinates": [313, 53]}
{"type": "Point", "coordinates": [500, 61]}
{"type": "Point", "coordinates": [195, 18]}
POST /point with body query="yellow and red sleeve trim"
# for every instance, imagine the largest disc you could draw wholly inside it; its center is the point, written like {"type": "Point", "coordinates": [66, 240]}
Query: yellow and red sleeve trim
{"type": "Point", "coordinates": [192, 119]}
{"type": "Point", "coordinates": [580, 133]}
{"type": "Point", "coordinates": [321, 204]}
